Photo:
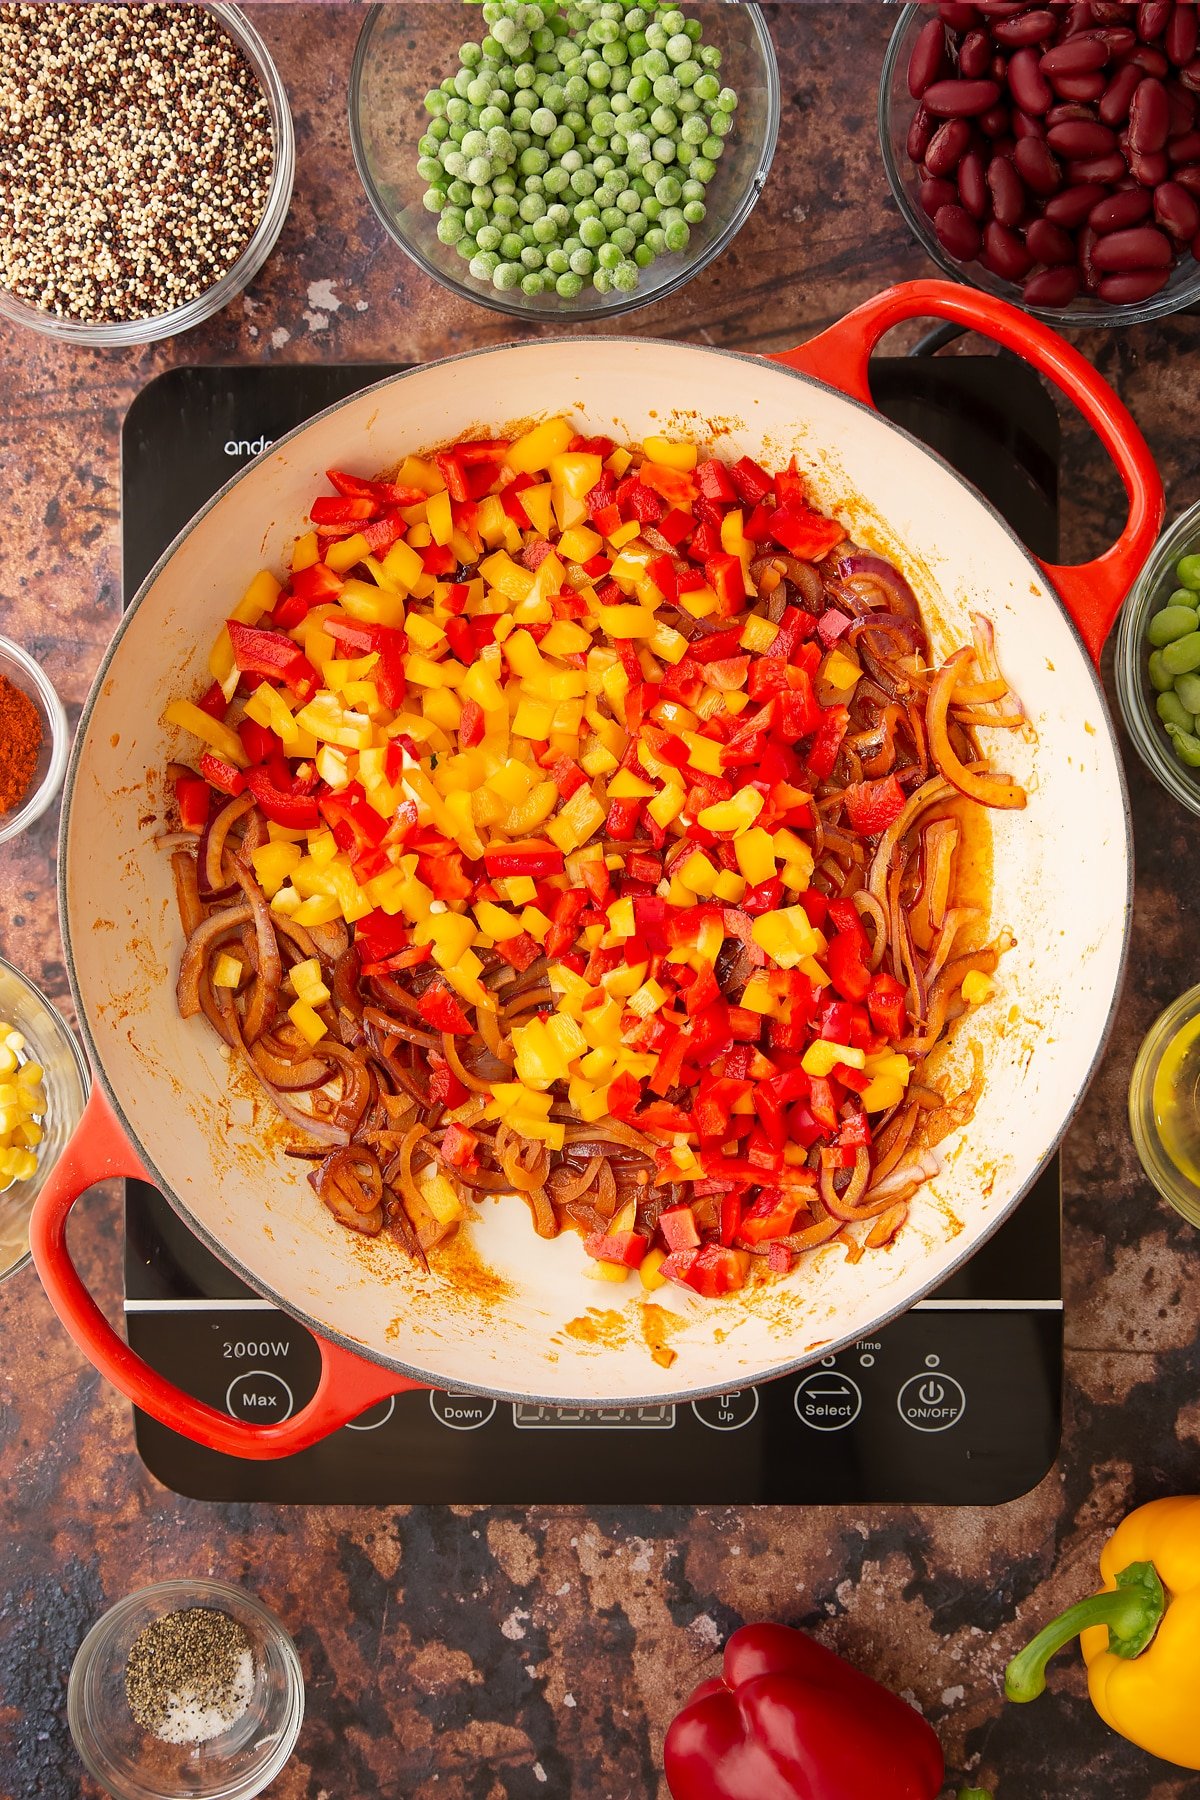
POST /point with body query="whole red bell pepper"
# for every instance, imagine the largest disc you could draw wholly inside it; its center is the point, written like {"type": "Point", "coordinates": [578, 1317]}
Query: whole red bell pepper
{"type": "Point", "coordinates": [789, 1720]}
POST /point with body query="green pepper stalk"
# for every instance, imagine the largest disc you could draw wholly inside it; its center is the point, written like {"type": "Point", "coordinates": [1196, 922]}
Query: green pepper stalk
{"type": "Point", "coordinates": [1131, 1611]}
{"type": "Point", "coordinates": [973, 1794]}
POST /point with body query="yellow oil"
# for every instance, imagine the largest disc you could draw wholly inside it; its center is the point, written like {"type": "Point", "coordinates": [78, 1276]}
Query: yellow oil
{"type": "Point", "coordinates": [1176, 1100]}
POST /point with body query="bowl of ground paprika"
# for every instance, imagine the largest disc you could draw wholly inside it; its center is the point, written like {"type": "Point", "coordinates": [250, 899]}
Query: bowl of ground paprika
{"type": "Point", "coordinates": [34, 740]}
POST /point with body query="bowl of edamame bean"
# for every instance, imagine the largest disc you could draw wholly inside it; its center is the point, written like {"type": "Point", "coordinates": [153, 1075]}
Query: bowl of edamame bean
{"type": "Point", "coordinates": [1158, 661]}
{"type": "Point", "coordinates": [578, 158]}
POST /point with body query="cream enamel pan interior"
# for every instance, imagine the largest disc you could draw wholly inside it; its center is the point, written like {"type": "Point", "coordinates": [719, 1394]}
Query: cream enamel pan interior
{"type": "Point", "coordinates": [513, 1314]}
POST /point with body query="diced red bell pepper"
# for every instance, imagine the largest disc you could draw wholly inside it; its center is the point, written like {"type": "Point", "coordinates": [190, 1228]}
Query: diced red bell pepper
{"type": "Point", "coordinates": [798, 714]}
{"type": "Point", "coordinates": [821, 1103]}
{"type": "Point", "coordinates": [388, 493]}
{"type": "Point", "coordinates": [731, 1215]}
{"type": "Point", "coordinates": [298, 812]}
{"type": "Point", "coordinates": [259, 743]}
{"type": "Point", "coordinates": [637, 501]}
{"type": "Point", "coordinates": [453, 474]}
{"type": "Point", "coordinates": [519, 951]}
{"type": "Point", "coordinates": [827, 744]}
{"type": "Point", "coordinates": [885, 1003]}
{"type": "Point", "coordinates": [445, 1089]}
{"type": "Point", "coordinates": [459, 1146]}
{"type": "Point", "coordinates": [872, 806]}
{"type": "Point", "coordinates": [714, 1270]}
{"type": "Point", "coordinates": [661, 571]}
{"type": "Point", "coordinates": [669, 1067]}
{"type": "Point", "coordinates": [726, 579]}
{"type": "Point", "coordinates": [661, 1117]}
{"type": "Point", "coordinates": [678, 1227]}
{"type": "Point", "coordinates": [193, 797]}
{"type": "Point", "coordinates": [677, 527]}
{"type": "Point", "coordinates": [330, 509]}
{"type": "Point", "coordinates": [622, 819]}
{"type": "Point", "coordinates": [675, 486]}
{"type": "Point", "coordinates": [564, 920]}
{"type": "Point", "coordinates": [380, 935]}
{"type": "Point", "coordinates": [627, 1248]}
{"type": "Point", "coordinates": [213, 702]}
{"type": "Point", "coordinates": [677, 1266]}
{"type": "Point", "coordinates": [713, 481]}
{"type": "Point", "coordinates": [381, 534]}
{"type": "Point", "coordinates": [623, 1096]}
{"type": "Point", "coordinates": [805, 534]}
{"type": "Point", "coordinates": [439, 1007]}
{"type": "Point", "coordinates": [442, 870]}
{"type": "Point", "coordinates": [772, 1215]}
{"type": "Point", "coordinates": [751, 480]}
{"type": "Point", "coordinates": [356, 826]}
{"type": "Point", "coordinates": [832, 625]}
{"type": "Point", "coordinates": [471, 724]}
{"type": "Point", "coordinates": [221, 774]}
{"type": "Point", "coordinates": [533, 857]}
{"type": "Point", "coordinates": [846, 966]}
{"type": "Point", "coordinates": [706, 542]}
{"type": "Point", "coordinates": [273, 655]}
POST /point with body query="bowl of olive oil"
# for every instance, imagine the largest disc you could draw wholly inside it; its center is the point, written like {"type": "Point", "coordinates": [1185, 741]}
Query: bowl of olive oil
{"type": "Point", "coordinates": [1164, 1105]}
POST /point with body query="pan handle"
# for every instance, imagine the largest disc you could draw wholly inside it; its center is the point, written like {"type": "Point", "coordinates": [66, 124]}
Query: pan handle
{"type": "Point", "coordinates": [1091, 592]}
{"type": "Point", "coordinates": [99, 1151]}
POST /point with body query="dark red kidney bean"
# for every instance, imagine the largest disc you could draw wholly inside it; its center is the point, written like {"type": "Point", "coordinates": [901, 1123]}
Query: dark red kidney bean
{"type": "Point", "coordinates": [1190, 76]}
{"type": "Point", "coordinates": [1085, 244]}
{"type": "Point", "coordinates": [1120, 40]}
{"type": "Point", "coordinates": [974, 55]}
{"type": "Point", "coordinates": [1049, 243]}
{"type": "Point", "coordinates": [1077, 137]}
{"type": "Point", "coordinates": [1052, 287]}
{"type": "Point", "coordinates": [1026, 83]}
{"type": "Point", "coordinates": [1114, 101]}
{"type": "Point", "coordinates": [1149, 169]}
{"type": "Point", "coordinates": [1007, 191]}
{"type": "Point", "coordinates": [1176, 211]}
{"type": "Point", "coordinates": [972, 185]}
{"type": "Point", "coordinates": [1087, 169]}
{"type": "Point", "coordinates": [961, 99]}
{"type": "Point", "coordinates": [1066, 110]}
{"type": "Point", "coordinates": [1118, 211]}
{"type": "Point", "coordinates": [934, 193]}
{"type": "Point", "coordinates": [1153, 17]}
{"type": "Point", "coordinates": [994, 123]}
{"type": "Point", "coordinates": [957, 232]}
{"type": "Point", "coordinates": [1025, 125]}
{"type": "Point", "coordinates": [1025, 28]}
{"type": "Point", "coordinates": [1188, 176]}
{"type": "Point", "coordinates": [1077, 56]}
{"type": "Point", "coordinates": [1004, 253]}
{"type": "Point", "coordinates": [928, 58]}
{"type": "Point", "coordinates": [1072, 206]}
{"type": "Point", "coordinates": [1090, 86]}
{"type": "Point", "coordinates": [1185, 149]}
{"type": "Point", "coordinates": [1149, 117]}
{"type": "Point", "coordinates": [1179, 40]}
{"type": "Point", "coordinates": [1126, 288]}
{"type": "Point", "coordinates": [1182, 110]}
{"type": "Point", "coordinates": [999, 9]}
{"type": "Point", "coordinates": [920, 131]}
{"type": "Point", "coordinates": [1079, 18]}
{"type": "Point", "coordinates": [1141, 248]}
{"type": "Point", "coordinates": [1110, 12]}
{"type": "Point", "coordinates": [1149, 60]}
{"type": "Point", "coordinates": [948, 145]}
{"type": "Point", "coordinates": [998, 70]}
{"type": "Point", "coordinates": [1036, 167]}
{"type": "Point", "coordinates": [957, 17]}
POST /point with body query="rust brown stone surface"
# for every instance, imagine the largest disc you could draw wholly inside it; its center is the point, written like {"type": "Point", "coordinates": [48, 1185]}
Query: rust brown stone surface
{"type": "Point", "coordinates": [476, 1654]}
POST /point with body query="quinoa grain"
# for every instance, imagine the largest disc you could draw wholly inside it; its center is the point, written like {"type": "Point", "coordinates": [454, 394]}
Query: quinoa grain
{"type": "Point", "coordinates": [136, 157]}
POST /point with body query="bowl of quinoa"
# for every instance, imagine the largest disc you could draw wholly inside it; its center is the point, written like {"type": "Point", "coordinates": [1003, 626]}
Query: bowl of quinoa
{"type": "Point", "coordinates": [146, 164]}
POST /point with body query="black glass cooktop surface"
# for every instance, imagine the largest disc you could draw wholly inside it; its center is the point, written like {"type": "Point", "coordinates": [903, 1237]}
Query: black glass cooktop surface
{"type": "Point", "coordinates": [958, 1402]}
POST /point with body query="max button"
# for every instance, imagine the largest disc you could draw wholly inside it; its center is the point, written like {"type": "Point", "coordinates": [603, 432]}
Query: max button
{"type": "Point", "coordinates": [931, 1402]}
{"type": "Point", "coordinates": [461, 1412]}
{"type": "Point", "coordinates": [260, 1396]}
{"type": "Point", "coordinates": [827, 1400]}
{"type": "Point", "coordinates": [727, 1412]}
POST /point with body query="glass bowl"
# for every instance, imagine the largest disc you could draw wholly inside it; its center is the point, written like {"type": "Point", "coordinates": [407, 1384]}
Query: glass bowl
{"type": "Point", "coordinates": [896, 108]}
{"type": "Point", "coordinates": [131, 1763]}
{"type": "Point", "coordinates": [25, 674]}
{"type": "Point", "coordinates": [403, 51]}
{"type": "Point", "coordinates": [239, 275]}
{"type": "Point", "coordinates": [1135, 694]}
{"type": "Point", "coordinates": [50, 1042]}
{"type": "Point", "coordinates": [1164, 1096]}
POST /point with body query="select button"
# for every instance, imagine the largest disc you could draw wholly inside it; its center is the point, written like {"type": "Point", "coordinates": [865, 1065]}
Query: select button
{"type": "Point", "coordinates": [260, 1396]}
{"type": "Point", "coordinates": [827, 1400]}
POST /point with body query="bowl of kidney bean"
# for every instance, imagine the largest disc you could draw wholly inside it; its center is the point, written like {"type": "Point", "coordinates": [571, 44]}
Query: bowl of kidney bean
{"type": "Point", "coordinates": [1050, 154]}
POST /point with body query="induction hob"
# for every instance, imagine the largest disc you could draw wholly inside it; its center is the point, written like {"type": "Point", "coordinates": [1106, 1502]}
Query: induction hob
{"type": "Point", "coordinates": [957, 1403]}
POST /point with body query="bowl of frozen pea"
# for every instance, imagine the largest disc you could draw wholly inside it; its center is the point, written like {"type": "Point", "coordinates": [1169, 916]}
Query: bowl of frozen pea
{"type": "Point", "coordinates": [576, 158]}
{"type": "Point", "coordinates": [1158, 661]}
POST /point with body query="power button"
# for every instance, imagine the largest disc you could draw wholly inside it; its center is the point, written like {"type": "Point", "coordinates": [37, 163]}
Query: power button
{"type": "Point", "coordinates": [931, 1401]}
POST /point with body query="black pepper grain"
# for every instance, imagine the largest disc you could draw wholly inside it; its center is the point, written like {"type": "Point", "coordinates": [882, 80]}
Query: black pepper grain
{"type": "Point", "coordinates": [136, 157]}
{"type": "Point", "coordinates": [191, 1661]}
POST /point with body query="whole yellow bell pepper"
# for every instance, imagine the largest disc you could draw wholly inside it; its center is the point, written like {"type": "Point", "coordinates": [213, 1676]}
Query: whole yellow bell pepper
{"type": "Point", "coordinates": [1140, 1635]}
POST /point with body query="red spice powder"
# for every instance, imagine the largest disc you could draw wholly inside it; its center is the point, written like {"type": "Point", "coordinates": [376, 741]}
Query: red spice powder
{"type": "Point", "coordinates": [20, 741]}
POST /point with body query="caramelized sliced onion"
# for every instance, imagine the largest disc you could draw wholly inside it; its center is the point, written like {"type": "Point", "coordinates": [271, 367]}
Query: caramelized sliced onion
{"type": "Point", "coordinates": [977, 784]}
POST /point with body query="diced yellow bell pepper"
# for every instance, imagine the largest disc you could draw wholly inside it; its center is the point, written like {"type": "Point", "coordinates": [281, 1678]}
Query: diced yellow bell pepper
{"type": "Point", "coordinates": [439, 517]}
{"type": "Point", "coordinates": [976, 986]}
{"type": "Point", "coordinates": [755, 854]}
{"type": "Point", "coordinates": [625, 785]}
{"type": "Point", "coordinates": [506, 576]}
{"type": "Point", "coordinates": [671, 455]}
{"type": "Point", "coordinates": [576, 821]}
{"type": "Point", "coordinates": [308, 1023]}
{"type": "Point", "coordinates": [536, 448]}
{"type": "Point", "coordinates": [757, 996]}
{"type": "Point", "coordinates": [332, 724]}
{"type": "Point", "coordinates": [439, 1195]}
{"type": "Point", "coordinates": [666, 806]}
{"type": "Point", "coordinates": [223, 739]}
{"type": "Point", "coordinates": [700, 602]}
{"type": "Point", "coordinates": [372, 605]}
{"type": "Point", "coordinates": [758, 635]}
{"type": "Point", "coordinates": [415, 472]}
{"type": "Point", "coordinates": [647, 999]}
{"type": "Point", "coordinates": [786, 935]}
{"type": "Point", "coordinates": [824, 1055]}
{"type": "Point", "coordinates": [533, 810]}
{"type": "Point", "coordinates": [579, 544]}
{"type": "Point", "coordinates": [533, 719]}
{"type": "Point", "coordinates": [621, 982]}
{"type": "Point", "coordinates": [537, 504]}
{"type": "Point", "coordinates": [697, 874]}
{"type": "Point", "coordinates": [628, 621]}
{"type": "Point", "coordinates": [620, 917]}
{"type": "Point", "coordinates": [496, 922]}
{"type": "Point", "coordinates": [882, 1094]}
{"type": "Point", "coordinates": [730, 887]}
{"type": "Point", "coordinates": [346, 552]}
{"type": "Point", "coordinates": [893, 1064]}
{"type": "Point", "coordinates": [566, 638]}
{"type": "Point", "coordinates": [228, 971]}
{"type": "Point", "coordinates": [625, 534]}
{"type": "Point", "coordinates": [840, 672]}
{"type": "Point", "coordinates": [736, 815]}
{"type": "Point", "coordinates": [273, 865]}
{"type": "Point", "coordinates": [668, 643]}
{"type": "Point", "coordinates": [305, 552]}
{"type": "Point", "coordinates": [705, 754]}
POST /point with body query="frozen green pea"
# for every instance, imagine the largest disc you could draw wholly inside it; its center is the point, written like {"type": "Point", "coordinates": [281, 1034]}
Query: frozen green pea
{"type": "Point", "coordinates": [604, 164]}
{"type": "Point", "coordinates": [542, 122]}
{"type": "Point", "coordinates": [435, 103]}
{"type": "Point", "coordinates": [504, 207]}
{"type": "Point", "coordinates": [471, 54]}
{"type": "Point", "coordinates": [639, 89]}
{"type": "Point", "coordinates": [703, 169]}
{"type": "Point", "coordinates": [439, 131]}
{"type": "Point", "coordinates": [654, 64]}
{"type": "Point", "coordinates": [721, 124]}
{"type": "Point", "coordinates": [727, 100]}
{"type": "Point", "coordinates": [678, 235]}
{"type": "Point", "coordinates": [510, 246]}
{"type": "Point", "coordinates": [639, 225]}
{"type": "Point", "coordinates": [625, 277]}
{"type": "Point", "coordinates": [557, 260]}
{"type": "Point", "coordinates": [429, 168]}
{"type": "Point", "coordinates": [664, 151]}
{"type": "Point", "coordinates": [454, 162]}
{"type": "Point", "coordinates": [482, 265]}
{"type": "Point", "coordinates": [608, 256]}
{"type": "Point", "coordinates": [652, 209]}
{"type": "Point", "coordinates": [602, 281]}
{"type": "Point", "coordinates": [504, 184]}
{"type": "Point", "coordinates": [693, 190]}
{"type": "Point", "coordinates": [545, 231]}
{"type": "Point", "coordinates": [1175, 620]}
{"type": "Point", "coordinates": [711, 149]}
{"type": "Point", "coordinates": [488, 237]}
{"type": "Point", "coordinates": [519, 118]}
{"type": "Point", "coordinates": [560, 215]}
{"type": "Point", "coordinates": [656, 37]}
{"type": "Point", "coordinates": [666, 89]}
{"type": "Point", "coordinates": [533, 257]}
{"type": "Point", "coordinates": [449, 230]}
{"type": "Point", "coordinates": [602, 31]}
{"type": "Point", "coordinates": [532, 207]}
{"type": "Point", "coordinates": [569, 285]}
{"type": "Point", "coordinates": [695, 212]}
{"type": "Point", "coordinates": [628, 201]}
{"type": "Point", "coordinates": [612, 218]}
{"type": "Point", "coordinates": [556, 181]}
{"type": "Point", "coordinates": [598, 75]}
{"type": "Point", "coordinates": [1187, 687]}
{"type": "Point", "coordinates": [668, 190]}
{"type": "Point", "coordinates": [533, 161]}
{"type": "Point", "coordinates": [1187, 746]}
{"type": "Point", "coordinates": [688, 73]}
{"type": "Point", "coordinates": [576, 90]}
{"type": "Point", "coordinates": [663, 120]}
{"type": "Point", "coordinates": [1181, 655]}
{"type": "Point", "coordinates": [475, 219]}
{"type": "Point", "coordinates": [678, 48]}
{"type": "Point", "coordinates": [582, 261]}
{"type": "Point", "coordinates": [643, 256]}
{"type": "Point", "coordinates": [591, 233]}
{"type": "Point", "coordinates": [710, 56]}
{"type": "Point", "coordinates": [606, 195]}
{"type": "Point", "coordinates": [494, 116]}
{"type": "Point", "coordinates": [561, 140]}
{"type": "Point", "coordinates": [507, 275]}
{"type": "Point", "coordinates": [1172, 711]}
